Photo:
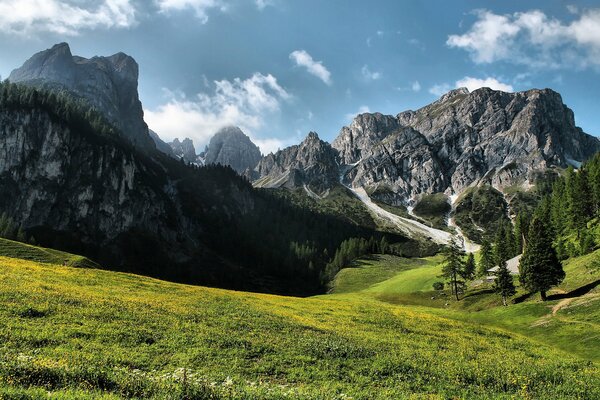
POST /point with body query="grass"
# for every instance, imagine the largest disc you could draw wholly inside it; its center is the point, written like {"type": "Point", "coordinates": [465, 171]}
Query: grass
{"type": "Point", "coordinates": [87, 333]}
{"type": "Point", "coordinates": [13, 249]}
{"type": "Point", "coordinates": [569, 321]}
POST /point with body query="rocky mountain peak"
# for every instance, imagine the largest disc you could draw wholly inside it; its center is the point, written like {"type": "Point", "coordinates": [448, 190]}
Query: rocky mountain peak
{"type": "Point", "coordinates": [108, 83]}
{"type": "Point", "coordinates": [311, 163]}
{"type": "Point", "coordinates": [230, 146]}
{"type": "Point", "coordinates": [463, 138]}
{"type": "Point", "coordinates": [365, 131]}
{"type": "Point", "coordinates": [184, 150]}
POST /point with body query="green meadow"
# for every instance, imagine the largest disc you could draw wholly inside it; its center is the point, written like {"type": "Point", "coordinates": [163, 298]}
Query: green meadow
{"type": "Point", "coordinates": [382, 333]}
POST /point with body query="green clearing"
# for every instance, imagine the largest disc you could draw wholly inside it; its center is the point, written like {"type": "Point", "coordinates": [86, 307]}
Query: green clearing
{"type": "Point", "coordinates": [13, 249]}
{"type": "Point", "coordinates": [87, 333]}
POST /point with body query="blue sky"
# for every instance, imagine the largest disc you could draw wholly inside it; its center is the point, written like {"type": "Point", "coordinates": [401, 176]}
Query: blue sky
{"type": "Point", "coordinates": [280, 69]}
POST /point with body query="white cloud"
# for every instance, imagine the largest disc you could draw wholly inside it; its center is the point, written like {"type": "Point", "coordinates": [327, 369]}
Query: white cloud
{"type": "Point", "coordinates": [440, 89]}
{"type": "Point", "coordinates": [243, 103]}
{"type": "Point", "coordinates": [533, 38]}
{"type": "Point", "coordinates": [476, 83]}
{"type": "Point", "coordinates": [200, 7]}
{"type": "Point", "coordinates": [316, 68]}
{"type": "Point", "coordinates": [416, 86]}
{"type": "Point", "coordinates": [361, 110]}
{"type": "Point", "coordinates": [368, 74]}
{"type": "Point", "coordinates": [471, 84]}
{"type": "Point", "coordinates": [66, 17]}
{"type": "Point", "coordinates": [261, 4]}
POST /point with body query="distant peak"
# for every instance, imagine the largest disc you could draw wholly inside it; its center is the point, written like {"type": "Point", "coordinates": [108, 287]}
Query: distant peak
{"type": "Point", "coordinates": [61, 46]}
{"type": "Point", "coordinates": [454, 93]}
{"type": "Point", "coordinates": [312, 136]}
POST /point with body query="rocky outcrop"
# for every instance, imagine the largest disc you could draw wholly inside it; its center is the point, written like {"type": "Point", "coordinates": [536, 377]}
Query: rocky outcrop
{"type": "Point", "coordinates": [230, 146]}
{"type": "Point", "coordinates": [312, 163]}
{"type": "Point", "coordinates": [184, 150]}
{"type": "Point", "coordinates": [365, 131]}
{"type": "Point", "coordinates": [109, 84]}
{"type": "Point", "coordinates": [402, 164]}
{"type": "Point", "coordinates": [160, 144]}
{"type": "Point", "coordinates": [463, 139]}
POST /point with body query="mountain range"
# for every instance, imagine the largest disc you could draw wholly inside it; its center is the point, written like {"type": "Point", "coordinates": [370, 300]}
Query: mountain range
{"type": "Point", "coordinates": [125, 200]}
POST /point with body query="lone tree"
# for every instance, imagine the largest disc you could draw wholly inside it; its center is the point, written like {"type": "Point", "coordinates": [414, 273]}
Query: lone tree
{"type": "Point", "coordinates": [487, 258]}
{"type": "Point", "coordinates": [469, 269]}
{"type": "Point", "coordinates": [503, 284]}
{"type": "Point", "coordinates": [453, 269]}
{"type": "Point", "coordinates": [540, 268]}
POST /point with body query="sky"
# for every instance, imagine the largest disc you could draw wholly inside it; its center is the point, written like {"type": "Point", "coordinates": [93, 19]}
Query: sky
{"type": "Point", "coordinates": [281, 68]}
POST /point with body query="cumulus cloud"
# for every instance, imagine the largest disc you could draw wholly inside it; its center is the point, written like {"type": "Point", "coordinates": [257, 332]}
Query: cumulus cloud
{"type": "Point", "coordinates": [200, 7]}
{"type": "Point", "coordinates": [476, 83]}
{"type": "Point", "coordinates": [316, 68]}
{"type": "Point", "coordinates": [361, 110]}
{"type": "Point", "coordinates": [532, 38]}
{"type": "Point", "coordinates": [416, 86]}
{"type": "Point", "coordinates": [440, 89]}
{"type": "Point", "coordinates": [368, 74]}
{"type": "Point", "coordinates": [243, 103]}
{"type": "Point", "coordinates": [64, 17]}
{"type": "Point", "coordinates": [471, 84]}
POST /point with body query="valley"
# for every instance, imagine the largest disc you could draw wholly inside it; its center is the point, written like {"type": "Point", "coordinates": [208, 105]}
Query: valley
{"type": "Point", "coordinates": [446, 252]}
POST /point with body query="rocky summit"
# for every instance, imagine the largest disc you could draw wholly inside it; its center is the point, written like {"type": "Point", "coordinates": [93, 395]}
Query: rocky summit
{"type": "Point", "coordinates": [462, 139]}
{"type": "Point", "coordinates": [109, 84]}
{"type": "Point", "coordinates": [184, 150]}
{"type": "Point", "coordinates": [230, 146]}
{"type": "Point", "coordinates": [311, 164]}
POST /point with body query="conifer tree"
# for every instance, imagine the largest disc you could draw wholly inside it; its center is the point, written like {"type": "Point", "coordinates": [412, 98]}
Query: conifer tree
{"type": "Point", "coordinates": [453, 268]}
{"type": "Point", "coordinates": [469, 269]}
{"type": "Point", "coordinates": [487, 258]}
{"type": "Point", "coordinates": [540, 268]}
{"type": "Point", "coordinates": [503, 283]}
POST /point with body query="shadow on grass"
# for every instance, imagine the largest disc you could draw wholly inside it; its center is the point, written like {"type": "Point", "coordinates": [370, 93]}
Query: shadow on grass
{"type": "Point", "coordinates": [576, 292]}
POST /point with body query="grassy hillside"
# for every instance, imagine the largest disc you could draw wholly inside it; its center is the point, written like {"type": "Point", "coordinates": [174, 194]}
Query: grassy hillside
{"type": "Point", "coordinates": [10, 248]}
{"type": "Point", "coordinates": [87, 333]}
{"type": "Point", "coordinates": [569, 321]}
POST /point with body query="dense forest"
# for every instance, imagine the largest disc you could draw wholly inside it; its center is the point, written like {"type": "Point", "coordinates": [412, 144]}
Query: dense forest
{"type": "Point", "coordinates": [271, 245]}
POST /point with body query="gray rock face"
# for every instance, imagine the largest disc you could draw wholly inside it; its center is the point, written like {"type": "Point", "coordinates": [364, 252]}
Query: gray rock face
{"type": "Point", "coordinates": [94, 196]}
{"type": "Point", "coordinates": [184, 150]}
{"type": "Point", "coordinates": [312, 163]}
{"type": "Point", "coordinates": [365, 131]}
{"type": "Point", "coordinates": [399, 166]}
{"type": "Point", "coordinates": [230, 146]}
{"type": "Point", "coordinates": [107, 83]}
{"type": "Point", "coordinates": [463, 139]}
{"type": "Point", "coordinates": [160, 144]}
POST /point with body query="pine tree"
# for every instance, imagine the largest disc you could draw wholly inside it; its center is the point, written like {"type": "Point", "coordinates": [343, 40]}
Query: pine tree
{"type": "Point", "coordinates": [487, 258]}
{"type": "Point", "coordinates": [21, 236]}
{"type": "Point", "coordinates": [501, 250]}
{"type": "Point", "coordinates": [503, 283]}
{"type": "Point", "coordinates": [453, 268]}
{"type": "Point", "coordinates": [520, 231]}
{"type": "Point", "coordinates": [540, 268]}
{"type": "Point", "coordinates": [469, 269]}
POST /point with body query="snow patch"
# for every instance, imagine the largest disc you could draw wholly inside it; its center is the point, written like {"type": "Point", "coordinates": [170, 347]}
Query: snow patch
{"type": "Point", "coordinates": [574, 163]}
{"type": "Point", "coordinates": [408, 226]}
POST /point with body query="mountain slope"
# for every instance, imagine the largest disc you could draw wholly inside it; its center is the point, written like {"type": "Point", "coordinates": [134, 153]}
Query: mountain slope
{"type": "Point", "coordinates": [73, 183]}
